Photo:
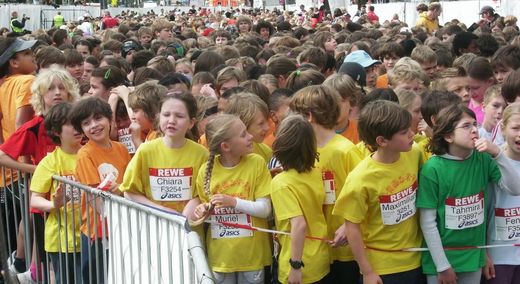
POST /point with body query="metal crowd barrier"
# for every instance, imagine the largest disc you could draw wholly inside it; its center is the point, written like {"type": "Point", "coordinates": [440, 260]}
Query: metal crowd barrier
{"type": "Point", "coordinates": [129, 242]}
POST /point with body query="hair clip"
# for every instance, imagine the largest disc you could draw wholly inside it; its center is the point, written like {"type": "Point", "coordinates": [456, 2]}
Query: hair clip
{"type": "Point", "coordinates": [107, 74]}
{"type": "Point", "coordinates": [298, 72]}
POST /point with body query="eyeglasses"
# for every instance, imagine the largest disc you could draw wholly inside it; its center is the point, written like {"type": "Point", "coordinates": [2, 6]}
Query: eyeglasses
{"type": "Point", "coordinates": [468, 126]}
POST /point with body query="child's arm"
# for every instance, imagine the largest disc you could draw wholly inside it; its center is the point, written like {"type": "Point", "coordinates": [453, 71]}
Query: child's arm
{"type": "Point", "coordinates": [260, 208]}
{"type": "Point", "coordinates": [489, 269]}
{"type": "Point", "coordinates": [298, 228]}
{"type": "Point", "coordinates": [39, 202]}
{"type": "Point", "coordinates": [433, 240]}
{"type": "Point", "coordinates": [357, 244]}
{"type": "Point", "coordinates": [139, 198]}
{"type": "Point", "coordinates": [189, 209]}
{"type": "Point", "coordinates": [510, 174]}
{"type": "Point", "coordinates": [7, 161]}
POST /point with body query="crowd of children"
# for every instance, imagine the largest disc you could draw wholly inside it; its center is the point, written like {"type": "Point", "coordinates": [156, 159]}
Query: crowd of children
{"type": "Point", "coordinates": [382, 154]}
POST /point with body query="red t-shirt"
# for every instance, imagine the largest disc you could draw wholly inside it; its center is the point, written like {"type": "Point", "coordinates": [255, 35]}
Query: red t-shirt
{"type": "Point", "coordinates": [29, 140]}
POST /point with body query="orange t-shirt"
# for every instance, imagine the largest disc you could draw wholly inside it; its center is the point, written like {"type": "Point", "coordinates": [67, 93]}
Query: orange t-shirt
{"type": "Point", "coordinates": [93, 164]}
{"type": "Point", "coordinates": [202, 141]}
{"type": "Point", "coordinates": [351, 132]}
{"type": "Point", "coordinates": [16, 93]}
{"type": "Point", "coordinates": [269, 138]}
{"type": "Point", "coordinates": [382, 81]}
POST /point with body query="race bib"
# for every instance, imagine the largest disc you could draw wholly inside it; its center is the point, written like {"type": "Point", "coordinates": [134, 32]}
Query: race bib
{"type": "Point", "coordinates": [330, 188]}
{"type": "Point", "coordinates": [72, 193]}
{"type": "Point", "coordinates": [507, 223]}
{"type": "Point", "coordinates": [171, 184]}
{"type": "Point", "coordinates": [398, 207]}
{"type": "Point", "coordinates": [231, 215]}
{"type": "Point", "coordinates": [125, 138]}
{"type": "Point", "coordinates": [464, 212]}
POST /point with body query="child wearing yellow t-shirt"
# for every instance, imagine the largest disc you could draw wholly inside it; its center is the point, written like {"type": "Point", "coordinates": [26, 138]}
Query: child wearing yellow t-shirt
{"type": "Point", "coordinates": [254, 114]}
{"type": "Point", "coordinates": [62, 237]}
{"type": "Point", "coordinates": [378, 198]}
{"type": "Point", "coordinates": [162, 172]}
{"type": "Point", "coordinates": [337, 158]}
{"type": "Point", "coordinates": [235, 187]}
{"type": "Point", "coordinates": [298, 196]}
{"type": "Point", "coordinates": [99, 158]}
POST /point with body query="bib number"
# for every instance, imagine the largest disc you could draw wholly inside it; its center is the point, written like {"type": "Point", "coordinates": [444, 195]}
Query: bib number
{"type": "Point", "coordinates": [231, 215]}
{"type": "Point", "coordinates": [171, 184]}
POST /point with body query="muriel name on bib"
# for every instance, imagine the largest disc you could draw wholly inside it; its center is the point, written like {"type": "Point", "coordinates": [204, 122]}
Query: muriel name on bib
{"type": "Point", "coordinates": [230, 215]}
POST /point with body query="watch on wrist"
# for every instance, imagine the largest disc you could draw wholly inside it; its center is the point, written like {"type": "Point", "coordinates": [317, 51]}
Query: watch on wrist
{"type": "Point", "coordinates": [296, 264]}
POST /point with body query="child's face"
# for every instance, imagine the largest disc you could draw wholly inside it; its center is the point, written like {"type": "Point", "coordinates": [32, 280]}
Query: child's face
{"type": "Point", "coordinates": [371, 75]}
{"type": "Point", "coordinates": [96, 128]}
{"type": "Point", "coordinates": [241, 141]}
{"type": "Point", "coordinates": [174, 119]}
{"type": "Point", "coordinates": [501, 73]}
{"type": "Point", "coordinates": [221, 41]}
{"type": "Point", "coordinates": [430, 69]}
{"type": "Point", "coordinates": [75, 71]}
{"type": "Point", "coordinates": [259, 127]}
{"type": "Point", "coordinates": [279, 114]}
{"type": "Point", "coordinates": [83, 50]}
{"type": "Point", "coordinates": [330, 45]}
{"type": "Point", "coordinates": [412, 85]}
{"type": "Point", "coordinates": [69, 136]}
{"type": "Point", "coordinates": [401, 141]}
{"type": "Point", "coordinates": [184, 70]}
{"type": "Point", "coordinates": [228, 85]}
{"type": "Point", "coordinates": [264, 33]}
{"type": "Point", "coordinates": [145, 38]}
{"type": "Point", "coordinates": [243, 27]}
{"type": "Point", "coordinates": [464, 135]}
{"type": "Point", "coordinates": [87, 71]}
{"type": "Point", "coordinates": [415, 111]}
{"type": "Point", "coordinates": [511, 133]}
{"type": "Point", "coordinates": [142, 119]}
{"type": "Point", "coordinates": [56, 93]}
{"type": "Point", "coordinates": [460, 86]}
{"type": "Point", "coordinates": [389, 61]}
{"type": "Point", "coordinates": [97, 89]}
{"type": "Point", "coordinates": [478, 88]}
{"type": "Point", "coordinates": [493, 110]}
{"type": "Point", "coordinates": [165, 34]}
{"type": "Point", "coordinates": [24, 61]}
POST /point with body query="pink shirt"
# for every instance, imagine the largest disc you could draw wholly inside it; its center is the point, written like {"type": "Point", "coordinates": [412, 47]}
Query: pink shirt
{"type": "Point", "coordinates": [478, 110]}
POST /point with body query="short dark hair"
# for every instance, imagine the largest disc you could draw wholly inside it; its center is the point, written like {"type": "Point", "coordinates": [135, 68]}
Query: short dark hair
{"type": "Point", "coordinates": [54, 120]}
{"type": "Point", "coordinates": [73, 57]}
{"type": "Point", "coordinates": [295, 146]}
{"type": "Point", "coordinates": [462, 40]}
{"type": "Point", "coordinates": [386, 94]}
{"type": "Point", "coordinates": [433, 102]}
{"type": "Point", "coordinates": [85, 43]}
{"type": "Point", "coordinates": [87, 107]}
{"type": "Point", "coordinates": [480, 69]}
{"type": "Point", "coordinates": [381, 118]}
{"type": "Point", "coordinates": [111, 76]}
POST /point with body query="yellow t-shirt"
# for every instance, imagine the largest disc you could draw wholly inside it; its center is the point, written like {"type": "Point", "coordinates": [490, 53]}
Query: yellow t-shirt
{"type": "Point", "coordinates": [429, 24]}
{"type": "Point", "coordinates": [63, 235]}
{"type": "Point", "coordinates": [230, 249]}
{"type": "Point", "coordinates": [381, 198]}
{"type": "Point", "coordinates": [301, 194]}
{"type": "Point", "coordinates": [363, 150]}
{"type": "Point", "coordinates": [422, 142]}
{"type": "Point", "coordinates": [337, 159]}
{"type": "Point", "coordinates": [263, 150]}
{"type": "Point", "coordinates": [165, 175]}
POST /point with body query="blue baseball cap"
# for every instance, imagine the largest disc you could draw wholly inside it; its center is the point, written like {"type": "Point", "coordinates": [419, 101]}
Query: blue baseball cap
{"type": "Point", "coordinates": [362, 58]}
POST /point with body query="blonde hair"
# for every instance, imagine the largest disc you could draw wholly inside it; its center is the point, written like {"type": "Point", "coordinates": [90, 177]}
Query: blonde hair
{"type": "Point", "coordinates": [405, 70]}
{"type": "Point", "coordinates": [443, 78]}
{"type": "Point", "coordinates": [268, 80]}
{"type": "Point", "coordinates": [160, 24]}
{"type": "Point", "coordinates": [510, 110]}
{"type": "Point", "coordinates": [424, 54]}
{"type": "Point", "coordinates": [217, 132]}
{"type": "Point", "coordinates": [245, 105]}
{"type": "Point", "coordinates": [229, 73]}
{"type": "Point", "coordinates": [406, 97]}
{"type": "Point", "coordinates": [346, 87]}
{"type": "Point", "coordinates": [44, 80]}
{"type": "Point", "coordinates": [491, 93]}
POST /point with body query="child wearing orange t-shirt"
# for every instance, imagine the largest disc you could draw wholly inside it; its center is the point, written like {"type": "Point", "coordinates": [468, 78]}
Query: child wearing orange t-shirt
{"type": "Point", "coordinates": [99, 158]}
